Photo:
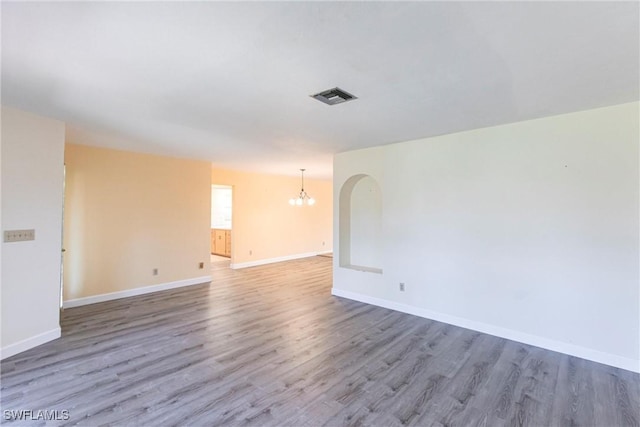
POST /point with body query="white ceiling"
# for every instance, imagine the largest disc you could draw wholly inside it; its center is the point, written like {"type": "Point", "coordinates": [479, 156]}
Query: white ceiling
{"type": "Point", "coordinates": [230, 82]}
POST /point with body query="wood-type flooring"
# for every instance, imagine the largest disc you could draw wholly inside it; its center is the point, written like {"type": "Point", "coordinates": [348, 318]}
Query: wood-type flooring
{"type": "Point", "coordinates": [270, 346]}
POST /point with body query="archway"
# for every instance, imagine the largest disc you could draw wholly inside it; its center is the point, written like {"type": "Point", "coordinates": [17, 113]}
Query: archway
{"type": "Point", "coordinates": [360, 230]}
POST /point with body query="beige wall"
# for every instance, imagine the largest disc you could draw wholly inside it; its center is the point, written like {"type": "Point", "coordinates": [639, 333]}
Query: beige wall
{"type": "Point", "coordinates": [128, 213]}
{"type": "Point", "coordinates": [265, 226]}
{"type": "Point", "coordinates": [32, 177]}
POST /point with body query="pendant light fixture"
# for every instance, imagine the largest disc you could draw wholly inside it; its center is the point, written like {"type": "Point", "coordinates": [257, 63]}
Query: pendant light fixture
{"type": "Point", "coordinates": [303, 198]}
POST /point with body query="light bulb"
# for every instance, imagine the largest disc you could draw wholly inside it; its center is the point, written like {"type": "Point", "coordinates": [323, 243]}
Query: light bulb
{"type": "Point", "coordinates": [299, 202]}
{"type": "Point", "coordinates": [311, 201]}
{"type": "Point", "coordinates": [292, 202]}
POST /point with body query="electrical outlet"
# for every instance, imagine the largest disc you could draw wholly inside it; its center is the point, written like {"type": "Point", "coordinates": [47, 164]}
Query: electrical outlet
{"type": "Point", "coordinates": [155, 271]}
{"type": "Point", "coordinates": [201, 265]}
{"type": "Point", "coordinates": [401, 286]}
{"type": "Point", "coordinates": [19, 235]}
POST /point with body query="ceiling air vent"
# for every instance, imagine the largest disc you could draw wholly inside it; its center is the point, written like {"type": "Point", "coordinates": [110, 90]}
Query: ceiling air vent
{"type": "Point", "coordinates": [333, 96]}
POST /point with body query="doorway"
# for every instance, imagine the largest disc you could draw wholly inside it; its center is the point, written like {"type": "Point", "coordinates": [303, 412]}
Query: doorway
{"type": "Point", "coordinates": [62, 249]}
{"type": "Point", "coordinates": [221, 224]}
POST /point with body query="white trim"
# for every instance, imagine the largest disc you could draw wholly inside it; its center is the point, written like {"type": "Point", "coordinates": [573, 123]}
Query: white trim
{"type": "Point", "coordinates": [278, 259]}
{"type": "Point", "coordinates": [136, 291]}
{"type": "Point", "coordinates": [362, 268]}
{"type": "Point", "coordinates": [29, 343]}
{"type": "Point", "coordinates": [546, 343]}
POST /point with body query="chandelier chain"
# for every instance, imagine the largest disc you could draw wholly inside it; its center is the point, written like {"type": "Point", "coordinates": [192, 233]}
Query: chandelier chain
{"type": "Point", "coordinates": [303, 197]}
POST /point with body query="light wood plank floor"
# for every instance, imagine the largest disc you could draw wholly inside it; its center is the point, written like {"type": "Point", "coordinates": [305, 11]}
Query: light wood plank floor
{"type": "Point", "coordinates": [270, 346]}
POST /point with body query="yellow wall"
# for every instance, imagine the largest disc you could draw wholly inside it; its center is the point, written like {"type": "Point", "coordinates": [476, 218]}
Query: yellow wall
{"type": "Point", "coordinates": [265, 225]}
{"type": "Point", "coordinates": [128, 213]}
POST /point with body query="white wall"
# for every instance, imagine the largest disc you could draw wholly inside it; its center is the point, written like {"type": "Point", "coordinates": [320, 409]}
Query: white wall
{"type": "Point", "coordinates": [32, 183]}
{"type": "Point", "coordinates": [527, 231]}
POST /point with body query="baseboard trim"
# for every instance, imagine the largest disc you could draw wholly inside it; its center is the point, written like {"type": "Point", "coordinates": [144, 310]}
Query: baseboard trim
{"type": "Point", "coordinates": [256, 263]}
{"type": "Point", "coordinates": [134, 292]}
{"type": "Point", "coordinates": [29, 343]}
{"type": "Point", "coordinates": [546, 343]}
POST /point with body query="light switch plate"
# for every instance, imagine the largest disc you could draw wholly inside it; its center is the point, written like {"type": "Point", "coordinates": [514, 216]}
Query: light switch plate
{"type": "Point", "coordinates": [19, 235]}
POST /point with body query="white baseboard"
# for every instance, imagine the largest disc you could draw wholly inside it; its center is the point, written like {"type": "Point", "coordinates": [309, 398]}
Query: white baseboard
{"type": "Point", "coordinates": [546, 343]}
{"type": "Point", "coordinates": [136, 291]}
{"type": "Point", "coordinates": [29, 343]}
{"type": "Point", "coordinates": [278, 259]}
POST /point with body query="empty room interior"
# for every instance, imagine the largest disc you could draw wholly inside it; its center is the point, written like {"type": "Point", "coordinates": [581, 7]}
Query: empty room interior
{"type": "Point", "coordinates": [320, 213]}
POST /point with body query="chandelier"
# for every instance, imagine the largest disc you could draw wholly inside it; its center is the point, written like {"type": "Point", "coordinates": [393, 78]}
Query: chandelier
{"type": "Point", "coordinates": [303, 197]}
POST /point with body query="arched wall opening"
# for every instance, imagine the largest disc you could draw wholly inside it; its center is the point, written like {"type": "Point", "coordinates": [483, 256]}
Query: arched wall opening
{"type": "Point", "coordinates": [360, 230]}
